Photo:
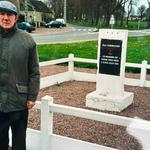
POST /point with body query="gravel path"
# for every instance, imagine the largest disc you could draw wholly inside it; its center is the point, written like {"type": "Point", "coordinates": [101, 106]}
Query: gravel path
{"type": "Point", "coordinates": [73, 94]}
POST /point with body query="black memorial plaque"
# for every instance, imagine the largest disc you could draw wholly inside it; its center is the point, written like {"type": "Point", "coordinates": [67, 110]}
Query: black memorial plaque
{"type": "Point", "coordinates": [110, 57]}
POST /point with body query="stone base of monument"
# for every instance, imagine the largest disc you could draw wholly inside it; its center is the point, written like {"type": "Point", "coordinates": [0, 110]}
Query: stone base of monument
{"type": "Point", "coordinates": [95, 100]}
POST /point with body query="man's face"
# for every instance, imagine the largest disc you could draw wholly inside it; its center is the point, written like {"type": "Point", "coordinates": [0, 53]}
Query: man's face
{"type": "Point", "coordinates": [7, 20]}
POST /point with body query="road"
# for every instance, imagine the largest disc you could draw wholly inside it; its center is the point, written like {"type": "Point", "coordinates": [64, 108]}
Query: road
{"type": "Point", "coordinates": [76, 34]}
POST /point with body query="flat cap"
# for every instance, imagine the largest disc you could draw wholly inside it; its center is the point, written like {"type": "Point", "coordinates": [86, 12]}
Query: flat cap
{"type": "Point", "coordinates": [7, 6]}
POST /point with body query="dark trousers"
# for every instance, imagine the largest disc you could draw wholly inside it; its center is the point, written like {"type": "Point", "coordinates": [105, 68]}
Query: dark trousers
{"type": "Point", "coordinates": [17, 120]}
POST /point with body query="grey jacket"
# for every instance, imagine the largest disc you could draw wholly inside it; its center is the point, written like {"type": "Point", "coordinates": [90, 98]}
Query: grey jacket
{"type": "Point", "coordinates": [19, 70]}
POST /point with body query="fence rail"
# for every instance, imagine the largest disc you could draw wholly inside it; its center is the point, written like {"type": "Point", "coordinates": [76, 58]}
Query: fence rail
{"type": "Point", "coordinates": [48, 139]}
{"type": "Point", "coordinates": [54, 62]}
{"type": "Point", "coordinates": [80, 76]}
{"type": "Point", "coordinates": [47, 102]}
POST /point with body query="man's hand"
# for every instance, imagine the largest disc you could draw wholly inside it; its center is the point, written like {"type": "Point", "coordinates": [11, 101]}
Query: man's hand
{"type": "Point", "coordinates": [30, 104]}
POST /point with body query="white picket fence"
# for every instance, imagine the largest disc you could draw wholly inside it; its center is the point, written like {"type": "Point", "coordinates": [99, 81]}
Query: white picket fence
{"type": "Point", "coordinates": [80, 76]}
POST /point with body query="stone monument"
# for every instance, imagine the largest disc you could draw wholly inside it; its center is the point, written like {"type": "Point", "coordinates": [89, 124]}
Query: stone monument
{"type": "Point", "coordinates": [111, 56]}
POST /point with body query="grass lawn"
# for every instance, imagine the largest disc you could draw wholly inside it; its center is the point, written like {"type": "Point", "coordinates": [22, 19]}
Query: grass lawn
{"type": "Point", "coordinates": [54, 51]}
{"type": "Point", "coordinates": [138, 49]}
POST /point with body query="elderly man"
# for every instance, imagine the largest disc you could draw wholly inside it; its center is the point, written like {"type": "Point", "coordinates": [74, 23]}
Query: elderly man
{"type": "Point", "coordinates": [19, 78]}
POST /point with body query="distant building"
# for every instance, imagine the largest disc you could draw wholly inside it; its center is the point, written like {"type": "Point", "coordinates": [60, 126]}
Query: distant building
{"type": "Point", "coordinates": [33, 11]}
{"type": "Point", "coordinates": [134, 17]}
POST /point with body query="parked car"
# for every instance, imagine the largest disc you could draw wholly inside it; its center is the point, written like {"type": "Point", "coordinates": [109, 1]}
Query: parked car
{"type": "Point", "coordinates": [62, 21]}
{"type": "Point", "coordinates": [52, 24]}
{"type": "Point", "coordinates": [25, 26]}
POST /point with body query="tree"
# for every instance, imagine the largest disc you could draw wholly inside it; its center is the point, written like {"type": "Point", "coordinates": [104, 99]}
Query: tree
{"type": "Point", "coordinates": [94, 12]}
{"type": "Point", "coordinates": [48, 3]}
{"type": "Point", "coordinates": [142, 11]}
{"type": "Point", "coordinates": [123, 11]}
{"type": "Point", "coordinates": [129, 10]}
{"type": "Point", "coordinates": [148, 13]}
{"type": "Point", "coordinates": [57, 6]}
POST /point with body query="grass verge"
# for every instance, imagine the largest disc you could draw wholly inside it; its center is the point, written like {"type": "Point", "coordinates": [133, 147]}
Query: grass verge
{"type": "Point", "coordinates": [138, 49]}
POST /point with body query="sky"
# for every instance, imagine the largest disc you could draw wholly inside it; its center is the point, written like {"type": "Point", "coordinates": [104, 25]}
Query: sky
{"type": "Point", "coordinates": [139, 3]}
{"type": "Point", "coordinates": [143, 2]}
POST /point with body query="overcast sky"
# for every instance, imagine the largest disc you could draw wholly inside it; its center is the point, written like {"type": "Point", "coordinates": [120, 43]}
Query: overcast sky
{"type": "Point", "coordinates": [139, 3]}
{"type": "Point", "coordinates": [143, 2]}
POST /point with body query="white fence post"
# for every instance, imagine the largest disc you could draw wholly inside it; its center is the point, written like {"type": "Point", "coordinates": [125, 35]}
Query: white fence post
{"type": "Point", "coordinates": [143, 73]}
{"type": "Point", "coordinates": [46, 122]}
{"type": "Point", "coordinates": [71, 66]}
